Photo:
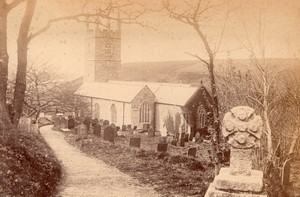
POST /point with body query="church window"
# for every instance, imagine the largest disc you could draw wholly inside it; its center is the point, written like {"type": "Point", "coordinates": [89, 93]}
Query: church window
{"type": "Point", "coordinates": [201, 118]}
{"type": "Point", "coordinates": [113, 111]}
{"type": "Point", "coordinates": [145, 112]}
{"type": "Point", "coordinates": [97, 111]}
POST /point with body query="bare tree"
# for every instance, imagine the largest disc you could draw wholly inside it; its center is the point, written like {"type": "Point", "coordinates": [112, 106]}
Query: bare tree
{"type": "Point", "coordinates": [25, 36]}
{"type": "Point", "coordinates": [197, 14]}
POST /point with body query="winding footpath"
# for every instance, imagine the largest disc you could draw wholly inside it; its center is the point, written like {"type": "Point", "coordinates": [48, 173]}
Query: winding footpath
{"type": "Point", "coordinates": [86, 176]}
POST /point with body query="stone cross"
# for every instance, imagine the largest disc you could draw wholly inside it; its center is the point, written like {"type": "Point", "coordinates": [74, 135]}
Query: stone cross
{"type": "Point", "coordinates": [243, 128]}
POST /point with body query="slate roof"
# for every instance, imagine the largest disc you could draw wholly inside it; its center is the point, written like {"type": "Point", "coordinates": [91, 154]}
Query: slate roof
{"type": "Point", "coordinates": [165, 93]}
{"type": "Point", "coordinates": [116, 92]}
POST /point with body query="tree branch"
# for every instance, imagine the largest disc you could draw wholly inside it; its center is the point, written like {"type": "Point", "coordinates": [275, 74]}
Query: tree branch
{"type": "Point", "coordinates": [14, 4]}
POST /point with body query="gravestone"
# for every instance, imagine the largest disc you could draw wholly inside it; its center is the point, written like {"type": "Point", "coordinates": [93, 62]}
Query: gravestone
{"type": "Point", "coordinates": [197, 136]}
{"type": "Point", "coordinates": [135, 142]}
{"type": "Point", "coordinates": [71, 123]}
{"type": "Point", "coordinates": [124, 128]}
{"type": "Point", "coordinates": [177, 135]}
{"type": "Point", "coordinates": [151, 133]}
{"type": "Point", "coordinates": [285, 177]}
{"type": "Point", "coordinates": [101, 121]}
{"type": "Point", "coordinates": [87, 121]}
{"type": "Point", "coordinates": [82, 132]}
{"type": "Point", "coordinates": [95, 121]}
{"type": "Point", "coordinates": [63, 123]}
{"type": "Point", "coordinates": [174, 142]}
{"type": "Point", "coordinates": [135, 128]}
{"type": "Point", "coordinates": [109, 134]}
{"type": "Point", "coordinates": [181, 142]}
{"type": "Point", "coordinates": [97, 130]}
{"type": "Point", "coordinates": [106, 122]}
{"type": "Point", "coordinates": [162, 147]}
{"type": "Point", "coordinates": [24, 124]}
{"type": "Point", "coordinates": [243, 128]}
{"type": "Point", "coordinates": [56, 122]}
{"type": "Point", "coordinates": [145, 127]}
{"type": "Point", "coordinates": [192, 151]}
{"type": "Point", "coordinates": [129, 126]}
{"type": "Point", "coordinates": [186, 137]}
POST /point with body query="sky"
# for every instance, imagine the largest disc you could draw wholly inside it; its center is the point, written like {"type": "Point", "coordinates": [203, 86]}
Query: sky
{"type": "Point", "coordinates": [168, 40]}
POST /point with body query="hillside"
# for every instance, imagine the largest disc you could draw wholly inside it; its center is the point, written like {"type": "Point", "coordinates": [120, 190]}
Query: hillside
{"type": "Point", "coordinates": [187, 71]}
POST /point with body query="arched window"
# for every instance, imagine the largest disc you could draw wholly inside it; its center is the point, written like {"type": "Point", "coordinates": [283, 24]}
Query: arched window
{"type": "Point", "coordinates": [113, 111]}
{"type": "Point", "coordinates": [97, 111]}
{"type": "Point", "coordinates": [201, 117]}
{"type": "Point", "coordinates": [145, 113]}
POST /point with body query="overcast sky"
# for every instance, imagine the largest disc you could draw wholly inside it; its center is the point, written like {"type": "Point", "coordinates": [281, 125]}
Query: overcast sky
{"type": "Point", "coordinates": [63, 44]}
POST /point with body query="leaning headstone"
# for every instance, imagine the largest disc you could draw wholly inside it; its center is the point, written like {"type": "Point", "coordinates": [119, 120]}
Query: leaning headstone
{"type": "Point", "coordinates": [285, 177]}
{"type": "Point", "coordinates": [192, 151]}
{"type": "Point", "coordinates": [135, 142]}
{"type": "Point", "coordinates": [97, 130]}
{"type": "Point", "coordinates": [109, 134]}
{"type": "Point", "coordinates": [24, 124]}
{"type": "Point", "coordinates": [82, 132]}
{"type": "Point", "coordinates": [243, 128]}
{"type": "Point", "coordinates": [162, 147]}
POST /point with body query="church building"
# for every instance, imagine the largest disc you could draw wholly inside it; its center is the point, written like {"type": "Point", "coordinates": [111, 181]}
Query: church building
{"type": "Point", "coordinates": [178, 107]}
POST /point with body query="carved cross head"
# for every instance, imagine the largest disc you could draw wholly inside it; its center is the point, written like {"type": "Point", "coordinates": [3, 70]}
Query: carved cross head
{"type": "Point", "coordinates": [242, 127]}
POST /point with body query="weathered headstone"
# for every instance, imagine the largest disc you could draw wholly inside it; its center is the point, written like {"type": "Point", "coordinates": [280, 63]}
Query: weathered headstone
{"type": "Point", "coordinates": [87, 121]}
{"type": "Point", "coordinates": [82, 132]}
{"type": "Point", "coordinates": [109, 134]}
{"type": "Point", "coordinates": [129, 126]}
{"type": "Point", "coordinates": [243, 128]}
{"type": "Point", "coordinates": [186, 137]}
{"type": "Point", "coordinates": [63, 123]}
{"type": "Point", "coordinates": [135, 142]}
{"type": "Point", "coordinates": [101, 121]}
{"type": "Point", "coordinates": [174, 142]}
{"type": "Point", "coordinates": [181, 142]}
{"type": "Point", "coordinates": [95, 121]}
{"type": "Point", "coordinates": [285, 177]}
{"type": "Point", "coordinates": [71, 123]}
{"type": "Point", "coordinates": [192, 151]}
{"type": "Point", "coordinates": [97, 130]}
{"type": "Point", "coordinates": [124, 128]}
{"type": "Point", "coordinates": [24, 124]}
{"type": "Point", "coordinates": [105, 122]}
{"type": "Point", "coordinates": [177, 135]}
{"type": "Point", "coordinates": [151, 132]}
{"type": "Point", "coordinates": [34, 128]}
{"type": "Point", "coordinates": [56, 122]}
{"type": "Point", "coordinates": [145, 127]}
{"type": "Point", "coordinates": [162, 147]}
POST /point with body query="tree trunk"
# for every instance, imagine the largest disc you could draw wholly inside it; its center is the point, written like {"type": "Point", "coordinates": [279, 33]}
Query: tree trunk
{"type": "Point", "coordinates": [20, 87]}
{"type": "Point", "coordinates": [5, 123]}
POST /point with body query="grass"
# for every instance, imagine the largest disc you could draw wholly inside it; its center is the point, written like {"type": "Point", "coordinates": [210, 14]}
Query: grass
{"type": "Point", "coordinates": [171, 174]}
{"type": "Point", "coordinates": [28, 167]}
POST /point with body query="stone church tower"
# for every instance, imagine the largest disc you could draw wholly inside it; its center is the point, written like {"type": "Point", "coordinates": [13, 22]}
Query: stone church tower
{"type": "Point", "coordinates": [103, 53]}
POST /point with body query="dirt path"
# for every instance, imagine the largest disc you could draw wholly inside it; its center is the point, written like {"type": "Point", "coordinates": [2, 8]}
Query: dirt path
{"type": "Point", "coordinates": [87, 176]}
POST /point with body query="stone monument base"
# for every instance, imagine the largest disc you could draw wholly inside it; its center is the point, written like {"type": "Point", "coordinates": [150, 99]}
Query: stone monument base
{"type": "Point", "coordinates": [236, 185]}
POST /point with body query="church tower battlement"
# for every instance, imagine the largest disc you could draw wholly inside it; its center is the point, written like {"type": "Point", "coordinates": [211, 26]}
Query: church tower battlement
{"type": "Point", "coordinates": [102, 53]}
